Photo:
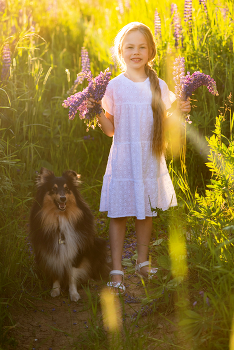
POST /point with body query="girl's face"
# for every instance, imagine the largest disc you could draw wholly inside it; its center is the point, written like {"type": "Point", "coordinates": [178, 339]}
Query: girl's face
{"type": "Point", "coordinates": [135, 50]}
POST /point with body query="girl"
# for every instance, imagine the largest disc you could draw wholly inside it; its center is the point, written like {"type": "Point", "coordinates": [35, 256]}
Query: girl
{"type": "Point", "coordinates": [136, 177]}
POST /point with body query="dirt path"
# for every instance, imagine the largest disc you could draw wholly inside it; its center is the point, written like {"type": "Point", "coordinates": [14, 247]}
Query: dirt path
{"type": "Point", "coordinates": [50, 324]}
{"type": "Point", "coordinates": [57, 323]}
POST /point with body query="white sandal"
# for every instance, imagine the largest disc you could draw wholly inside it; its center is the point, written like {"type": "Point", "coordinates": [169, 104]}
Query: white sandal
{"type": "Point", "coordinates": [151, 273]}
{"type": "Point", "coordinates": [118, 287]}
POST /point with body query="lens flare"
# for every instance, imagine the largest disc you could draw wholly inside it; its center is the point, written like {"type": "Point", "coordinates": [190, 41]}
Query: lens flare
{"type": "Point", "coordinates": [231, 340]}
{"type": "Point", "coordinates": [178, 254]}
{"type": "Point", "coordinates": [111, 310]}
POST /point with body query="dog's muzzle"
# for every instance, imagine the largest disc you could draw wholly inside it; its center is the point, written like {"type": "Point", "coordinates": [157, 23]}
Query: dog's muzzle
{"type": "Point", "coordinates": [62, 203]}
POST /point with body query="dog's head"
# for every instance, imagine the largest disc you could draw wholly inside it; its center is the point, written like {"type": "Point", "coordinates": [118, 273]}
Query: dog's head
{"type": "Point", "coordinates": [58, 190]}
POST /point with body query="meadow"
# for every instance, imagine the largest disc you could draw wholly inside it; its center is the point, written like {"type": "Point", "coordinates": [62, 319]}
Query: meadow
{"type": "Point", "coordinates": [193, 243]}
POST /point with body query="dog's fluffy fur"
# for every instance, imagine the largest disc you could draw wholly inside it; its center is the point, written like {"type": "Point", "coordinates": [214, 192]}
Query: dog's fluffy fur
{"type": "Point", "coordinates": [63, 235]}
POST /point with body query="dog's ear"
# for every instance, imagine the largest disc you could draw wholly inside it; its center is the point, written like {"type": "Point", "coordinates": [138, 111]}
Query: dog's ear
{"type": "Point", "coordinates": [43, 176]}
{"type": "Point", "coordinates": [73, 176]}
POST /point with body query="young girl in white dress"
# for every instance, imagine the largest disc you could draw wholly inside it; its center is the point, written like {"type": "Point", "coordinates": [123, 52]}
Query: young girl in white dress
{"type": "Point", "coordinates": [136, 177]}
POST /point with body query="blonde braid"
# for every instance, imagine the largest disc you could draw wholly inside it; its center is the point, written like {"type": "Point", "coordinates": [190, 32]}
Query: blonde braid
{"type": "Point", "coordinates": [159, 113]}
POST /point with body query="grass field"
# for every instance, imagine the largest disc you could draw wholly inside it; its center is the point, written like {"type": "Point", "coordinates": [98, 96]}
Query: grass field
{"type": "Point", "coordinates": [40, 58]}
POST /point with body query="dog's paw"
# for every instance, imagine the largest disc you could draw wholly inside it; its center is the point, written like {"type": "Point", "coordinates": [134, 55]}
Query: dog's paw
{"type": "Point", "coordinates": [74, 296]}
{"type": "Point", "coordinates": [55, 292]}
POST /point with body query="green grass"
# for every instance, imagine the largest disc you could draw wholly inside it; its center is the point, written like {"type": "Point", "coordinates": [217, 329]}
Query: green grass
{"type": "Point", "coordinates": [35, 131]}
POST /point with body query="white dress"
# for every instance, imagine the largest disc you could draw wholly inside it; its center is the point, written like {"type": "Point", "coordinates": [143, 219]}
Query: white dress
{"type": "Point", "coordinates": [134, 181]}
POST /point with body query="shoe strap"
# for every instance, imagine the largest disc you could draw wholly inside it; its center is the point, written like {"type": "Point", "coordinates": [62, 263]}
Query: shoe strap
{"type": "Point", "coordinates": [140, 265]}
{"type": "Point", "coordinates": [116, 272]}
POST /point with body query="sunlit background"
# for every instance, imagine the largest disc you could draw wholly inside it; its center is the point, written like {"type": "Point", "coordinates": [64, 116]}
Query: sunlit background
{"type": "Point", "coordinates": [41, 45]}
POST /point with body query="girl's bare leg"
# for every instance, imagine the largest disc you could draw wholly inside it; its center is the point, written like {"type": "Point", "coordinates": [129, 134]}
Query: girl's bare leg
{"type": "Point", "coordinates": [143, 233]}
{"type": "Point", "coordinates": [117, 233]}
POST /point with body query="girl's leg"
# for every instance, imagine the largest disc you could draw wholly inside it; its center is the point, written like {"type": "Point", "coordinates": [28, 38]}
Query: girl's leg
{"type": "Point", "coordinates": [117, 233]}
{"type": "Point", "coordinates": [143, 233]}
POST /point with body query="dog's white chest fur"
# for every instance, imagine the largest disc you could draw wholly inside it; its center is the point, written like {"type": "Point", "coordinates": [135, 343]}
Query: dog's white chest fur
{"type": "Point", "coordinates": [63, 254]}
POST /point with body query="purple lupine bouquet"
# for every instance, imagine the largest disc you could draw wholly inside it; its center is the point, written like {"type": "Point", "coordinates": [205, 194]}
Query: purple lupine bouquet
{"type": "Point", "coordinates": [95, 89]}
{"type": "Point", "coordinates": [185, 85]}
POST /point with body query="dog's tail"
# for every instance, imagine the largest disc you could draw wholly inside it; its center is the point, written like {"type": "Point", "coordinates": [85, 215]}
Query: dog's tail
{"type": "Point", "coordinates": [100, 265]}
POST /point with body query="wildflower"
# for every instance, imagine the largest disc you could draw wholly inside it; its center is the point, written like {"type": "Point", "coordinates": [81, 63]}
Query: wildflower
{"type": "Point", "coordinates": [187, 119]}
{"type": "Point", "coordinates": [157, 24]}
{"type": "Point", "coordinates": [85, 66]}
{"type": "Point", "coordinates": [120, 7]}
{"type": "Point", "coordinates": [85, 71]}
{"type": "Point", "coordinates": [225, 12]}
{"type": "Point", "coordinates": [53, 7]}
{"type": "Point", "coordinates": [176, 24]}
{"type": "Point", "coordinates": [96, 89]}
{"type": "Point", "coordinates": [2, 5]}
{"type": "Point", "coordinates": [194, 81]}
{"type": "Point", "coordinates": [179, 75]}
{"type": "Point", "coordinates": [186, 85]}
{"type": "Point", "coordinates": [6, 62]}
{"type": "Point", "coordinates": [203, 2]}
{"type": "Point", "coordinates": [127, 4]}
{"type": "Point", "coordinates": [188, 13]}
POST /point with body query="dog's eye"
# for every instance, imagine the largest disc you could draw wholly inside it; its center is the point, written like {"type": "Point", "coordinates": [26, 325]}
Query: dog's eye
{"type": "Point", "coordinates": [53, 190]}
{"type": "Point", "coordinates": [67, 190]}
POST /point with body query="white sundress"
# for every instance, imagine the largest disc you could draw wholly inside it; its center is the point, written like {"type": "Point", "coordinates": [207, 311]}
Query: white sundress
{"type": "Point", "coordinates": [134, 181]}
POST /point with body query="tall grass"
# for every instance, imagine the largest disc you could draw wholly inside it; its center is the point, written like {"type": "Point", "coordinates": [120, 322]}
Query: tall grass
{"type": "Point", "coordinates": [45, 40]}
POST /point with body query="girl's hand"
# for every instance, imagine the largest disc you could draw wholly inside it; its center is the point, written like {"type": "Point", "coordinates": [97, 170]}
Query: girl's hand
{"type": "Point", "coordinates": [91, 102]}
{"type": "Point", "coordinates": [185, 106]}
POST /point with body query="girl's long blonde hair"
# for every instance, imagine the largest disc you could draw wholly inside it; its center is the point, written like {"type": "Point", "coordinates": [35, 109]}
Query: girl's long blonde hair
{"type": "Point", "coordinates": [158, 107]}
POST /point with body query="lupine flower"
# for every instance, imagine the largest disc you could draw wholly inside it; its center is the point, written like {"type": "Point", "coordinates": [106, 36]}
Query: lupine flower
{"type": "Point", "coordinates": [194, 81]}
{"type": "Point", "coordinates": [127, 4]}
{"type": "Point", "coordinates": [120, 7]}
{"type": "Point", "coordinates": [85, 71]}
{"type": "Point", "coordinates": [186, 85]}
{"type": "Point", "coordinates": [188, 13]}
{"type": "Point", "coordinates": [225, 12]}
{"type": "Point", "coordinates": [203, 2]}
{"type": "Point", "coordinates": [157, 24]}
{"type": "Point", "coordinates": [53, 7]}
{"type": "Point", "coordinates": [176, 24]}
{"type": "Point", "coordinates": [2, 5]}
{"type": "Point", "coordinates": [179, 75]}
{"type": "Point", "coordinates": [85, 66]}
{"type": "Point", "coordinates": [6, 62]}
{"type": "Point", "coordinates": [96, 89]}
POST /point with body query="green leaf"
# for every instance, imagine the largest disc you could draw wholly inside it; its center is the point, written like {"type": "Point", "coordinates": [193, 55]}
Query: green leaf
{"type": "Point", "coordinates": [158, 241]}
{"type": "Point", "coordinates": [126, 262]}
{"type": "Point", "coordinates": [192, 314]}
{"type": "Point", "coordinates": [45, 164]}
{"type": "Point", "coordinates": [228, 228]}
{"type": "Point", "coordinates": [164, 261]}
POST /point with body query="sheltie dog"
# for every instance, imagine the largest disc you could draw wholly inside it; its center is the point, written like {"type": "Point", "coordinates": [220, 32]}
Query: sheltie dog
{"type": "Point", "coordinates": [62, 233]}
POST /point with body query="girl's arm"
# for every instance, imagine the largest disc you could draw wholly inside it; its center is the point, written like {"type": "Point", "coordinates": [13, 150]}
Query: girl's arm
{"type": "Point", "coordinates": [105, 120]}
{"type": "Point", "coordinates": [107, 123]}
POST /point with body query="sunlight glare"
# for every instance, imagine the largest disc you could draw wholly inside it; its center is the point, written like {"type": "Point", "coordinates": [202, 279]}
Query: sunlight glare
{"type": "Point", "coordinates": [178, 254]}
{"type": "Point", "coordinates": [111, 310]}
